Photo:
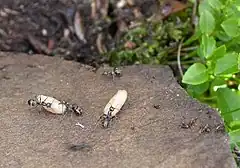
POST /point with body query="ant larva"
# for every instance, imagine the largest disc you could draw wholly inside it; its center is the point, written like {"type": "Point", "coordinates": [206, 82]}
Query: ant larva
{"type": "Point", "coordinates": [116, 72]}
{"type": "Point", "coordinates": [113, 107]}
{"type": "Point", "coordinates": [54, 106]}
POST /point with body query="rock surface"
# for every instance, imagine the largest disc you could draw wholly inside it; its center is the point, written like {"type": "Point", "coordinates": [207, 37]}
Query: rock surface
{"type": "Point", "coordinates": [140, 137]}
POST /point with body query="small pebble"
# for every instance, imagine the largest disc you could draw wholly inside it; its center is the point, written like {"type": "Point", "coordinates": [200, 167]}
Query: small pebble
{"type": "Point", "coordinates": [78, 124]}
{"type": "Point", "coordinates": [66, 33]}
{"type": "Point", "coordinates": [44, 32]}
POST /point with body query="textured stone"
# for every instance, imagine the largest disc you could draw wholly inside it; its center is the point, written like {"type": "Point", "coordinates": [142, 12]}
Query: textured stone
{"type": "Point", "coordinates": [140, 137]}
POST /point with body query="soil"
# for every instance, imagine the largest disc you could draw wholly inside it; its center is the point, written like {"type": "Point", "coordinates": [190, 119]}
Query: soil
{"type": "Point", "coordinates": [38, 26]}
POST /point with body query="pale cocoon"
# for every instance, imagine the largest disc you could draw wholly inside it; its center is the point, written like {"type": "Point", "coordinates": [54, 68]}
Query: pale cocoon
{"type": "Point", "coordinates": [117, 101]}
{"type": "Point", "coordinates": [56, 106]}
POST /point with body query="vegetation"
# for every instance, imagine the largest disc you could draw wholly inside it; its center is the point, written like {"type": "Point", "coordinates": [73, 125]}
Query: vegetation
{"type": "Point", "coordinates": [211, 56]}
{"type": "Point", "coordinates": [216, 77]}
{"type": "Point", "coordinates": [154, 42]}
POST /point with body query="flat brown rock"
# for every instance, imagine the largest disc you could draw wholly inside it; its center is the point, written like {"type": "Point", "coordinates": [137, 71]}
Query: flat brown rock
{"type": "Point", "coordinates": [140, 137]}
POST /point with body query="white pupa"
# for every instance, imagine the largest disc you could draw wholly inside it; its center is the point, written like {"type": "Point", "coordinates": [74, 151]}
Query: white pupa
{"type": "Point", "coordinates": [49, 103]}
{"type": "Point", "coordinates": [56, 106]}
{"type": "Point", "coordinates": [114, 106]}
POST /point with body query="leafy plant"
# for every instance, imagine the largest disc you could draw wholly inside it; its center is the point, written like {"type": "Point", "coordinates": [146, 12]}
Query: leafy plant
{"type": "Point", "coordinates": [215, 77]}
{"type": "Point", "coordinates": [151, 43]}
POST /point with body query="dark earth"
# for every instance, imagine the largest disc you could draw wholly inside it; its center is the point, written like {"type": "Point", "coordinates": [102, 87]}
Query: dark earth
{"type": "Point", "coordinates": [39, 26]}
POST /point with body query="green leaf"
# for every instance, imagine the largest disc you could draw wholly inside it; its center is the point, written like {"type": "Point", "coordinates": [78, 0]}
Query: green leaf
{"type": "Point", "coordinates": [197, 90]}
{"type": "Point", "coordinates": [196, 74]}
{"type": "Point", "coordinates": [193, 38]}
{"type": "Point", "coordinates": [228, 100]}
{"type": "Point", "coordinates": [215, 4]}
{"type": "Point", "coordinates": [212, 59]}
{"type": "Point", "coordinates": [231, 10]}
{"type": "Point", "coordinates": [239, 62]}
{"type": "Point", "coordinates": [192, 1]}
{"type": "Point", "coordinates": [230, 26]}
{"type": "Point", "coordinates": [209, 44]}
{"type": "Point", "coordinates": [215, 83]}
{"type": "Point", "coordinates": [221, 35]}
{"type": "Point", "coordinates": [235, 137]}
{"type": "Point", "coordinates": [234, 125]}
{"type": "Point", "coordinates": [229, 103]}
{"type": "Point", "coordinates": [227, 64]}
{"type": "Point", "coordinates": [200, 52]}
{"type": "Point", "coordinates": [207, 22]}
{"type": "Point", "coordinates": [231, 116]}
{"type": "Point", "coordinates": [218, 53]}
{"type": "Point", "coordinates": [203, 6]}
{"type": "Point", "coordinates": [237, 4]}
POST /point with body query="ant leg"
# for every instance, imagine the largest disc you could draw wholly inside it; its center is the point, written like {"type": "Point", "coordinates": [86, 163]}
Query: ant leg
{"type": "Point", "coordinates": [43, 103]}
{"type": "Point", "coordinates": [70, 109]}
{"type": "Point", "coordinates": [71, 114]}
{"type": "Point", "coordinates": [113, 76]}
{"type": "Point", "coordinates": [48, 105]}
{"type": "Point", "coordinates": [44, 100]}
{"type": "Point", "coordinates": [64, 114]}
{"type": "Point", "coordinates": [63, 103]}
{"type": "Point", "coordinates": [66, 110]}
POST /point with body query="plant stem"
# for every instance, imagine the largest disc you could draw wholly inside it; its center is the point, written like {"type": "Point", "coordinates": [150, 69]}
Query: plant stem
{"type": "Point", "coordinates": [189, 48]}
{"type": "Point", "coordinates": [179, 59]}
{"type": "Point", "coordinates": [209, 98]}
{"type": "Point", "coordinates": [190, 55]}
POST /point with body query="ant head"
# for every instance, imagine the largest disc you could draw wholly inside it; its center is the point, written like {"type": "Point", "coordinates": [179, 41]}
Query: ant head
{"type": "Point", "coordinates": [105, 121]}
{"type": "Point", "coordinates": [78, 110]}
{"type": "Point", "coordinates": [65, 103]}
{"type": "Point", "coordinates": [32, 102]}
{"type": "Point", "coordinates": [117, 71]}
{"type": "Point", "coordinates": [105, 124]}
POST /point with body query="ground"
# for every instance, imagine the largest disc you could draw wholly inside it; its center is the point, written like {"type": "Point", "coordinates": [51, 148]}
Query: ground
{"type": "Point", "coordinates": [141, 136]}
{"type": "Point", "coordinates": [42, 26]}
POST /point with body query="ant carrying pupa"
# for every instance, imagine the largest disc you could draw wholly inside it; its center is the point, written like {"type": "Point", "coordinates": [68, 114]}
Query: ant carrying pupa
{"type": "Point", "coordinates": [113, 107]}
{"type": "Point", "coordinates": [54, 106]}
